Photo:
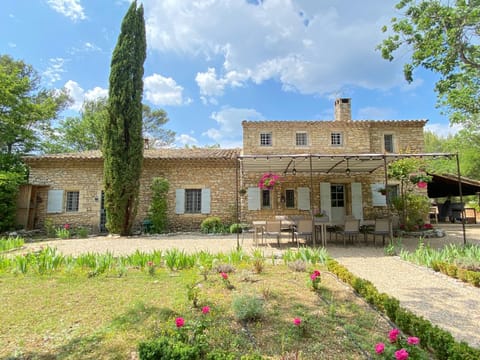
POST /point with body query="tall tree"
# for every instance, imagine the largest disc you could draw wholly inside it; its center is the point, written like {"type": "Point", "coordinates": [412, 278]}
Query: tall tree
{"type": "Point", "coordinates": [26, 109]}
{"type": "Point", "coordinates": [123, 144]}
{"type": "Point", "coordinates": [444, 37]}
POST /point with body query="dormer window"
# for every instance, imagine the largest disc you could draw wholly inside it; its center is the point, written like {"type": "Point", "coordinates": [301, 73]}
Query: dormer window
{"type": "Point", "coordinates": [266, 139]}
{"type": "Point", "coordinates": [301, 139]}
{"type": "Point", "coordinates": [336, 139]}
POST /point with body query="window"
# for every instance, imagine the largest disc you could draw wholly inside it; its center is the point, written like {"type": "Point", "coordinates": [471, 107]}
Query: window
{"type": "Point", "coordinates": [338, 195]}
{"type": "Point", "coordinates": [266, 199]}
{"type": "Point", "coordinates": [336, 139]}
{"type": "Point", "coordinates": [388, 143]}
{"type": "Point", "coordinates": [266, 139]}
{"type": "Point", "coordinates": [289, 198]}
{"type": "Point", "coordinates": [72, 201]}
{"type": "Point", "coordinates": [392, 192]}
{"type": "Point", "coordinates": [193, 201]}
{"type": "Point", "coordinates": [301, 139]}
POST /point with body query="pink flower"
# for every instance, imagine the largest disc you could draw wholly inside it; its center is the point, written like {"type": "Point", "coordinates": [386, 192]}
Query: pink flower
{"type": "Point", "coordinates": [393, 335]}
{"type": "Point", "coordinates": [401, 354]}
{"type": "Point", "coordinates": [412, 340]}
{"type": "Point", "coordinates": [380, 348]}
{"type": "Point", "coordinates": [422, 184]}
{"type": "Point", "coordinates": [206, 309]}
{"type": "Point", "coordinates": [224, 276]}
{"type": "Point", "coordinates": [66, 226]}
{"type": "Point", "coordinates": [297, 321]}
{"type": "Point", "coordinates": [179, 322]}
{"type": "Point", "coordinates": [313, 277]}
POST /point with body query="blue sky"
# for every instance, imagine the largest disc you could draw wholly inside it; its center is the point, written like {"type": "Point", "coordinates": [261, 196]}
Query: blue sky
{"type": "Point", "coordinates": [213, 63]}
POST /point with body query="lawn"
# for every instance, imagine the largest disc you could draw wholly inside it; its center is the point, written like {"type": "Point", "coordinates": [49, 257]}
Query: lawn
{"type": "Point", "coordinates": [73, 313]}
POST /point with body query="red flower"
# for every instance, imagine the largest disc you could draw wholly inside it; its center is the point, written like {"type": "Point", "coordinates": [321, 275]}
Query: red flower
{"type": "Point", "coordinates": [393, 335]}
{"type": "Point", "coordinates": [224, 275]}
{"type": "Point", "coordinates": [205, 309]}
{"type": "Point", "coordinates": [401, 354]}
{"type": "Point", "coordinates": [66, 226]}
{"type": "Point", "coordinates": [380, 348]}
{"type": "Point", "coordinates": [412, 340]}
{"type": "Point", "coordinates": [422, 184]}
{"type": "Point", "coordinates": [150, 264]}
{"type": "Point", "coordinates": [179, 322]}
{"type": "Point", "coordinates": [297, 321]}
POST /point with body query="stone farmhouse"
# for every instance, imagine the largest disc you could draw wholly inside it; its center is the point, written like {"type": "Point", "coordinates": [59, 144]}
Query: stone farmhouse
{"type": "Point", "coordinates": [336, 167]}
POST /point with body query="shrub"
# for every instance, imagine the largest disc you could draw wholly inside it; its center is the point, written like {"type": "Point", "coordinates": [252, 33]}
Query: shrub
{"type": "Point", "coordinates": [9, 182]}
{"type": "Point", "coordinates": [248, 307]}
{"type": "Point", "coordinates": [168, 349]}
{"type": "Point", "coordinates": [159, 207]}
{"type": "Point", "coordinates": [212, 225]}
{"type": "Point", "coordinates": [236, 228]}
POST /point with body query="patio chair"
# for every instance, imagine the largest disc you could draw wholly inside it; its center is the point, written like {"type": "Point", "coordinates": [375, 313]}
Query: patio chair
{"type": "Point", "coordinates": [382, 227]}
{"type": "Point", "coordinates": [304, 228]}
{"type": "Point", "coordinates": [273, 228]}
{"type": "Point", "coordinates": [351, 229]}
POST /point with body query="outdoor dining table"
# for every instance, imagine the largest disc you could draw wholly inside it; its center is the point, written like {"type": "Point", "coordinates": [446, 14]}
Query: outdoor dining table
{"type": "Point", "coordinates": [259, 228]}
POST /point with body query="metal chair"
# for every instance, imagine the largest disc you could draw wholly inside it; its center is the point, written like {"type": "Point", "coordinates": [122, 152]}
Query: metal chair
{"type": "Point", "coordinates": [304, 228]}
{"type": "Point", "coordinates": [273, 228]}
{"type": "Point", "coordinates": [382, 227]}
{"type": "Point", "coordinates": [351, 229]}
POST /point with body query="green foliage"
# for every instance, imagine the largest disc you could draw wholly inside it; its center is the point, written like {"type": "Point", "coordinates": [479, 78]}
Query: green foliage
{"type": "Point", "coordinates": [248, 307]}
{"type": "Point", "coordinates": [9, 243]}
{"type": "Point", "coordinates": [236, 228]}
{"type": "Point", "coordinates": [159, 206]}
{"type": "Point", "coordinates": [122, 144]}
{"type": "Point", "coordinates": [442, 37]}
{"type": "Point", "coordinates": [168, 349]}
{"type": "Point", "coordinates": [9, 183]}
{"type": "Point", "coordinates": [212, 225]}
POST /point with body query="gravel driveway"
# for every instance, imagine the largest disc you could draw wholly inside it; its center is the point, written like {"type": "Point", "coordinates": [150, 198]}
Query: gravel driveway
{"type": "Point", "coordinates": [444, 301]}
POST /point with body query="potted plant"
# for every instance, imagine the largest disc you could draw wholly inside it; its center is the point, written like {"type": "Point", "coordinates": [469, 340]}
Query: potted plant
{"type": "Point", "coordinates": [268, 181]}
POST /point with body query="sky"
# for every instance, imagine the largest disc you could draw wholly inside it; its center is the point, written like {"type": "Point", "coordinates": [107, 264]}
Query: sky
{"type": "Point", "coordinates": [213, 63]}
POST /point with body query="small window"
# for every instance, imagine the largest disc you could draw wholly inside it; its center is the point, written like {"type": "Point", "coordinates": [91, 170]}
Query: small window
{"type": "Point", "coordinates": [266, 199]}
{"type": "Point", "coordinates": [392, 192]}
{"type": "Point", "coordinates": [301, 139]}
{"type": "Point", "coordinates": [338, 195]}
{"type": "Point", "coordinates": [266, 139]}
{"type": "Point", "coordinates": [336, 139]}
{"type": "Point", "coordinates": [289, 198]}
{"type": "Point", "coordinates": [193, 201]}
{"type": "Point", "coordinates": [72, 201]}
{"type": "Point", "coordinates": [388, 143]}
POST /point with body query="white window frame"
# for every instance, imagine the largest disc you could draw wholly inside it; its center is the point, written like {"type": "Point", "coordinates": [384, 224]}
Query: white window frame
{"type": "Point", "coordinates": [266, 139]}
{"type": "Point", "coordinates": [301, 138]}
{"type": "Point", "coordinates": [336, 139]}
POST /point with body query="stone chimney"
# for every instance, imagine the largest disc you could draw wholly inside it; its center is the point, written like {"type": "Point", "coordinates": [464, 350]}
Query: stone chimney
{"type": "Point", "coordinates": [343, 110]}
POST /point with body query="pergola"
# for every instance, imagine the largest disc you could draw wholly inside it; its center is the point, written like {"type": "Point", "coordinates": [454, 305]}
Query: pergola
{"type": "Point", "coordinates": [348, 164]}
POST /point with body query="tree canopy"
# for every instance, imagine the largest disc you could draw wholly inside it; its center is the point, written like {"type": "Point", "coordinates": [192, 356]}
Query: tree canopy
{"type": "Point", "coordinates": [26, 109]}
{"type": "Point", "coordinates": [444, 37]}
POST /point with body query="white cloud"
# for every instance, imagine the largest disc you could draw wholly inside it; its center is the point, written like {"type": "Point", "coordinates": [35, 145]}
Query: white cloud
{"type": "Point", "coordinates": [79, 95]}
{"type": "Point", "coordinates": [12, 45]}
{"type": "Point", "coordinates": [69, 8]}
{"type": "Point", "coordinates": [86, 47]}
{"type": "Point", "coordinates": [54, 70]}
{"type": "Point", "coordinates": [443, 130]}
{"type": "Point", "coordinates": [375, 113]}
{"type": "Point", "coordinates": [229, 121]}
{"type": "Point", "coordinates": [184, 139]}
{"type": "Point", "coordinates": [160, 90]}
{"type": "Point", "coordinates": [313, 47]}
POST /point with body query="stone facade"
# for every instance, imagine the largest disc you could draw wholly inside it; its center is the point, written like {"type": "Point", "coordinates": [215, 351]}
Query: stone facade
{"type": "Point", "coordinates": [220, 172]}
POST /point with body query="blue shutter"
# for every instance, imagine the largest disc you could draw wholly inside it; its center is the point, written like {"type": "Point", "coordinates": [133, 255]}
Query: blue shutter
{"type": "Point", "coordinates": [303, 198]}
{"type": "Point", "coordinates": [55, 201]}
{"type": "Point", "coordinates": [180, 201]}
{"type": "Point", "coordinates": [326, 199]}
{"type": "Point", "coordinates": [205, 201]}
{"type": "Point", "coordinates": [357, 203]}
{"type": "Point", "coordinates": [253, 198]}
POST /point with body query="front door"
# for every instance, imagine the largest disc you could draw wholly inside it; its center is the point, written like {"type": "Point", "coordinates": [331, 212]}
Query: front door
{"type": "Point", "coordinates": [337, 193]}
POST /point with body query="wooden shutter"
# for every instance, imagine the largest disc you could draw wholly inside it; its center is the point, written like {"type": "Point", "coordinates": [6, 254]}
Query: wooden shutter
{"type": "Point", "coordinates": [253, 198]}
{"type": "Point", "coordinates": [205, 201]}
{"type": "Point", "coordinates": [180, 201]}
{"type": "Point", "coordinates": [55, 201]}
{"type": "Point", "coordinates": [357, 203]}
{"type": "Point", "coordinates": [303, 198]}
{"type": "Point", "coordinates": [326, 199]}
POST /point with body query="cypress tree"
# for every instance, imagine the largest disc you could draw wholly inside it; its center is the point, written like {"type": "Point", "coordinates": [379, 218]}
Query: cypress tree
{"type": "Point", "coordinates": [123, 144]}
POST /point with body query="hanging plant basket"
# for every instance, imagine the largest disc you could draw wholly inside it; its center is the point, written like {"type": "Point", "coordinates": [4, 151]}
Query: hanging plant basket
{"type": "Point", "coordinates": [420, 180]}
{"type": "Point", "coordinates": [268, 181]}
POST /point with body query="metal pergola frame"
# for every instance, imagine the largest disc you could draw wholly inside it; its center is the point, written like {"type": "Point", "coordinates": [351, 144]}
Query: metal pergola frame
{"type": "Point", "coordinates": [318, 163]}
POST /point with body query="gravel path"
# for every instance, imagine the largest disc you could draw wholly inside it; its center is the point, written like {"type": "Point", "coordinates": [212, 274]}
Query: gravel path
{"type": "Point", "coordinates": [446, 302]}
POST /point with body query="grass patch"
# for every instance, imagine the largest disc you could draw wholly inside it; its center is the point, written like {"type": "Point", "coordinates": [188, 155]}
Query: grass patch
{"type": "Point", "coordinates": [67, 315]}
{"type": "Point", "coordinates": [10, 243]}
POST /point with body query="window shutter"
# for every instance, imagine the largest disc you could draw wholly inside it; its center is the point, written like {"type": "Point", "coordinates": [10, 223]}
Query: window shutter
{"type": "Point", "coordinates": [180, 201]}
{"type": "Point", "coordinates": [253, 198]}
{"type": "Point", "coordinates": [303, 198]}
{"type": "Point", "coordinates": [205, 201]}
{"type": "Point", "coordinates": [377, 198]}
{"type": "Point", "coordinates": [326, 199]}
{"type": "Point", "coordinates": [357, 205]}
{"type": "Point", "coordinates": [55, 201]}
